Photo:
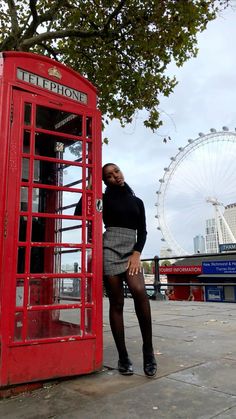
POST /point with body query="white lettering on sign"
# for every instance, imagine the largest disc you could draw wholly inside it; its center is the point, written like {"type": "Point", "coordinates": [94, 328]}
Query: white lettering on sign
{"type": "Point", "coordinates": [181, 269]}
{"type": "Point", "coordinates": [52, 86]}
{"type": "Point", "coordinates": [89, 205]}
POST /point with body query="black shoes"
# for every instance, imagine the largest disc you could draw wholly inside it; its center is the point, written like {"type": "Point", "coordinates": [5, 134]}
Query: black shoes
{"type": "Point", "coordinates": [125, 367]}
{"type": "Point", "coordinates": [149, 365]}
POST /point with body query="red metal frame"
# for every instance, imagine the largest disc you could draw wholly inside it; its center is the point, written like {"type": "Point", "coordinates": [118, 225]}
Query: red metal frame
{"type": "Point", "coordinates": [48, 335]}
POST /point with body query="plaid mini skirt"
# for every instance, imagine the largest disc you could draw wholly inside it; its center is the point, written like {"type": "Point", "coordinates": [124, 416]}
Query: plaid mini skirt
{"type": "Point", "coordinates": [118, 244]}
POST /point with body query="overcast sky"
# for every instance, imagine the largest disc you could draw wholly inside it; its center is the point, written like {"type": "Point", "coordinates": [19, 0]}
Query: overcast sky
{"type": "Point", "coordinates": [205, 97]}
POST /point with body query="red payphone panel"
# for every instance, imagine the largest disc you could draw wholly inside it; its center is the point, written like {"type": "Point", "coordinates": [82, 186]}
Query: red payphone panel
{"type": "Point", "coordinates": [51, 279]}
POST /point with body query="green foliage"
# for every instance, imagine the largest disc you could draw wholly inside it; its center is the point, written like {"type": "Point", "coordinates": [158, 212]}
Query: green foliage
{"type": "Point", "coordinates": [123, 47]}
{"type": "Point", "coordinates": [148, 267]}
{"type": "Point", "coordinates": [165, 263]}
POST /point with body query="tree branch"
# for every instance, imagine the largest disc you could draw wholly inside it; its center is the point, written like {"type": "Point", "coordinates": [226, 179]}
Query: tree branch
{"type": "Point", "coordinates": [50, 50]}
{"type": "Point", "coordinates": [34, 10]}
{"type": "Point", "coordinates": [48, 16]}
{"type": "Point", "coordinates": [114, 13]}
{"type": "Point", "coordinates": [34, 24]}
{"type": "Point", "coordinates": [45, 36]}
{"type": "Point", "coordinates": [13, 15]}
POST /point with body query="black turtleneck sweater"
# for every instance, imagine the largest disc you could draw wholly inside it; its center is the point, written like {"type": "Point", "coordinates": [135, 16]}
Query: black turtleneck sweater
{"type": "Point", "coordinates": [123, 209]}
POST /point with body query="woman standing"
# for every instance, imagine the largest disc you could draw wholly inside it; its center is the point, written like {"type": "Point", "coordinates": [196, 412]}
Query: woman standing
{"type": "Point", "coordinates": [123, 242]}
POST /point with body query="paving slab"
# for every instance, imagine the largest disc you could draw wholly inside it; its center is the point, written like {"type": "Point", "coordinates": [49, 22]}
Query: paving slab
{"type": "Point", "coordinates": [195, 347]}
{"type": "Point", "coordinates": [217, 375]}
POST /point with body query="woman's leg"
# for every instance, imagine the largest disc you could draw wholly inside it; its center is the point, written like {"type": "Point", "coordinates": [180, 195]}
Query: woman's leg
{"type": "Point", "coordinates": [143, 312]}
{"type": "Point", "coordinates": [142, 308]}
{"type": "Point", "coordinates": [115, 293]}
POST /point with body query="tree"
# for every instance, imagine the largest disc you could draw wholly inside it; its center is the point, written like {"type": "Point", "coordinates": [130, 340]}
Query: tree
{"type": "Point", "coordinates": [146, 267]}
{"type": "Point", "coordinates": [122, 46]}
{"type": "Point", "coordinates": [165, 263]}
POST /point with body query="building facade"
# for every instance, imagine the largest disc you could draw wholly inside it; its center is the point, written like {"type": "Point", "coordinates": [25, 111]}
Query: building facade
{"type": "Point", "coordinates": [212, 236]}
{"type": "Point", "coordinates": [230, 218]}
{"type": "Point", "coordinates": [199, 244]}
{"type": "Point", "coordinates": [212, 240]}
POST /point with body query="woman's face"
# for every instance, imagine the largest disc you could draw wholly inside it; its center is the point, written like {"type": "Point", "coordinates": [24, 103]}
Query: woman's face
{"type": "Point", "coordinates": [113, 176]}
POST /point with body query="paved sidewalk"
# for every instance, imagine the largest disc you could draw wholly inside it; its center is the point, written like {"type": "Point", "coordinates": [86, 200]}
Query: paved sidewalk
{"type": "Point", "coordinates": [195, 345]}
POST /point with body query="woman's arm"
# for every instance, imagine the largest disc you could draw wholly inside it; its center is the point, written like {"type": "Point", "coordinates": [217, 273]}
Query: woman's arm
{"type": "Point", "coordinates": [134, 263]}
{"type": "Point", "coordinates": [141, 228]}
{"type": "Point", "coordinates": [78, 208]}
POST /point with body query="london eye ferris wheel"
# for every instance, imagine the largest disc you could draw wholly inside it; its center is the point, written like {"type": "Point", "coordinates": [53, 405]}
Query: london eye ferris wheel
{"type": "Point", "coordinates": [199, 181]}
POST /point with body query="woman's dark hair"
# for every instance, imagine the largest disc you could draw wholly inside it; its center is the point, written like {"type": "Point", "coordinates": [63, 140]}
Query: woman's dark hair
{"type": "Point", "coordinates": [103, 170]}
{"type": "Point", "coordinates": [127, 188]}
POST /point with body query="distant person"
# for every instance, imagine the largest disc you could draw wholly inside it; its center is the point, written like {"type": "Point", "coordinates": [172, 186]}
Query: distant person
{"type": "Point", "coordinates": [123, 242]}
{"type": "Point", "coordinates": [171, 295]}
{"type": "Point", "coordinates": [167, 292]}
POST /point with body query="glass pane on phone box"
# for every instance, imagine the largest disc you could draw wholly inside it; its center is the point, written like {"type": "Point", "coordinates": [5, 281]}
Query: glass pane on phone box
{"type": "Point", "coordinates": [59, 174]}
{"type": "Point", "coordinates": [45, 200]}
{"type": "Point", "coordinates": [19, 292]}
{"type": "Point", "coordinates": [89, 232]}
{"type": "Point", "coordinates": [54, 291]}
{"type": "Point", "coordinates": [47, 172]}
{"type": "Point", "coordinates": [27, 113]}
{"type": "Point", "coordinates": [88, 290]}
{"type": "Point", "coordinates": [47, 230]}
{"type": "Point", "coordinates": [21, 260]}
{"type": "Point", "coordinates": [22, 228]}
{"type": "Point", "coordinates": [88, 320]}
{"type": "Point", "coordinates": [26, 142]}
{"type": "Point", "coordinates": [40, 292]}
{"type": "Point", "coordinates": [57, 120]}
{"type": "Point", "coordinates": [70, 260]}
{"type": "Point", "coordinates": [72, 176]}
{"type": "Point", "coordinates": [54, 201]}
{"type": "Point", "coordinates": [89, 159]}
{"type": "Point", "coordinates": [25, 170]}
{"type": "Point", "coordinates": [23, 198]}
{"type": "Point", "coordinates": [40, 229]}
{"type": "Point", "coordinates": [70, 316]}
{"type": "Point", "coordinates": [18, 326]}
{"type": "Point", "coordinates": [89, 179]}
{"type": "Point", "coordinates": [53, 323]}
{"type": "Point", "coordinates": [35, 200]}
{"type": "Point", "coordinates": [49, 145]}
{"type": "Point", "coordinates": [69, 288]}
{"type": "Point", "coordinates": [88, 126]}
{"type": "Point", "coordinates": [73, 151]}
{"type": "Point", "coordinates": [38, 257]}
{"type": "Point", "coordinates": [51, 260]}
{"type": "Point", "coordinates": [89, 260]}
{"type": "Point", "coordinates": [69, 201]}
{"type": "Point", "coordinates": [71, 231]}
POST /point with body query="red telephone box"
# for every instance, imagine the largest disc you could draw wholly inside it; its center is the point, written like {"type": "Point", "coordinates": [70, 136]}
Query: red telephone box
{"type": "Point", "coordinates": [50, 260]}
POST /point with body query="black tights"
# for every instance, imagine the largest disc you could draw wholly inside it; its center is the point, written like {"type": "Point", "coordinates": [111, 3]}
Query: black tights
{"type": "Point", "coordinates": [115, 292]}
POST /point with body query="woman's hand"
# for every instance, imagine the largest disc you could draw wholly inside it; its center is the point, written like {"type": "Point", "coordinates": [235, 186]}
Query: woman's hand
{"type": "Point", "coordinates": [134, 264]}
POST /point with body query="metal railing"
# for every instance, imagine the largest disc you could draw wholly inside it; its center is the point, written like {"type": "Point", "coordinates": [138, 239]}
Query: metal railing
{"type": "Point", "coordinates": [157, 284]}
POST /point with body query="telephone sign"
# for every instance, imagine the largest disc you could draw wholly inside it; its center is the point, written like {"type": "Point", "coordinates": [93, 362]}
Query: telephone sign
{"type": "Point", "coordinates": [51, 85]}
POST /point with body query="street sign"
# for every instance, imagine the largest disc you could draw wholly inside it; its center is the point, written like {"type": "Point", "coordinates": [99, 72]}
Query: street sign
{"type": "Point", "coordinates": [214, 293]}
{"type": "Point", "coordinates": [227, 247]}
{"type": "Point", "coordinates": [181, 270]}
{"type": "Point", "coordinates": [219, 267]}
